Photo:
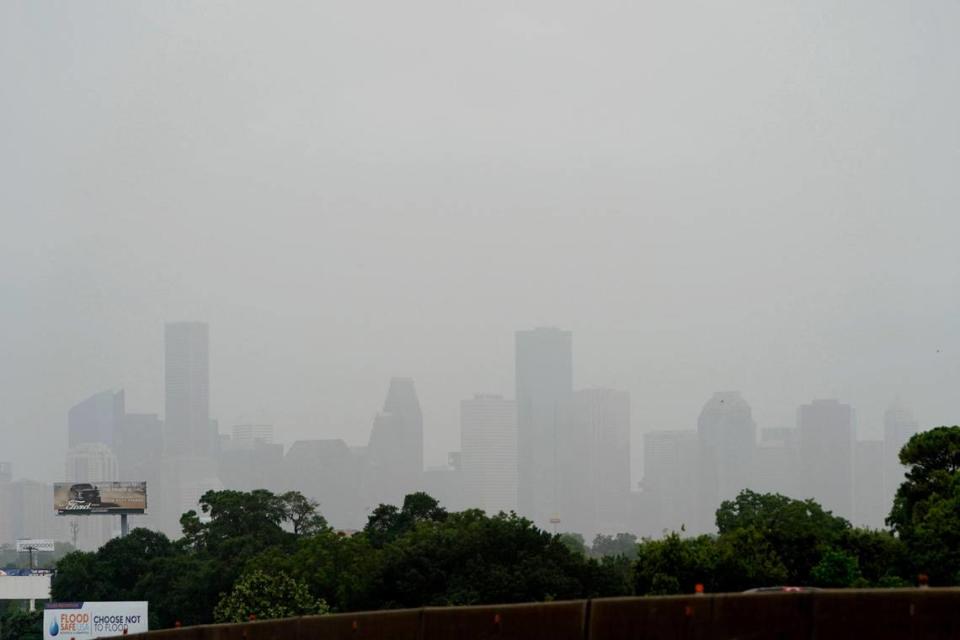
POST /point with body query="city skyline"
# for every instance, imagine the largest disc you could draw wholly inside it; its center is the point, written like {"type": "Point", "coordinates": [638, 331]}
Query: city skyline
{"type": "Point", "coordinates": [570, 450]}
{"type": "Point", "coordinates": [99, 404]}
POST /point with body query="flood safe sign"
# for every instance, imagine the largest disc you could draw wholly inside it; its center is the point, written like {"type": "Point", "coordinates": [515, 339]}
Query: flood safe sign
{"type": "Point", "coordinates": [85, 620]}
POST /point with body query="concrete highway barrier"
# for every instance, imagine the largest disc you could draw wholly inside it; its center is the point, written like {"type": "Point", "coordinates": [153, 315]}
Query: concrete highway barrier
{"type": "Point", "coordinates": [545, 621]}
{"type": "Point", "coordinates": [877, 614]}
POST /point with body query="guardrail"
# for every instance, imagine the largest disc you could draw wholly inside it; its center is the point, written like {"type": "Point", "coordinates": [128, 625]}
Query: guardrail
{"type": "Point", "coordinates": [875, 614]}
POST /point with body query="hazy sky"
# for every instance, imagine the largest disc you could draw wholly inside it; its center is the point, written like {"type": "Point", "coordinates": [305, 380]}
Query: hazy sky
{"type": "Point", "coordinates": [757, 195]}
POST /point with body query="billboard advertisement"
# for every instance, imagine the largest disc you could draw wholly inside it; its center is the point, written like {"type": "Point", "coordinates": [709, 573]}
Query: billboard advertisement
{"type": "Point", "coordinates": [85, 620]}
{"type": "Point", "coordinates": [34, 545]}
{"type": "Point", "coordinates": [95, 498]}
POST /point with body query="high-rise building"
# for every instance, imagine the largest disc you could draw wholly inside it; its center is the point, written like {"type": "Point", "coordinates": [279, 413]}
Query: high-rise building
{"type": "Point", "coordinates": [445, 483]}
{"type": "Point", "coordinates": [191, 440]}
{"type": "Point", "coordinates": [139, 457]}
{"type": "Point", "coordinates": [544, 382]}
{"type": "Point", "coordinates": [394, 457]}
{"type": "Point", "coordinates": [93, 462]}
{"type": "Point", "coordinates": [244, 435]}
{"type": "Point", "coordinates": [140, 445]}
{"type": "Point", "coordinates": [488, 442]}
{"type": "Point", "coordinates": [776, 464]}
{"type": "Point", "coordinates": [669, 484]}
{"type": "Point", "coordinates": [330, 473]}
{"type": "Point", "coordinates": [6, 522]}
{"type": "Point", "coordinates": [869, 506]}
{"type": "Point", "coordinates": [187, 390]}
{"type": "Point", "coordinates": [28, 510]}
{"type": "Point", "coordinates": [727, 435]}
{"type": "Point", "coordinates": [593, 462]}
{"type": "Point", "coordinates": [826, 454]}
{"type": "Point", "coordinates": [97, 419]}
{"type": "Point", "coordinates": [899, 426]}
{"type": "Point", "coordinates": [248, 465]}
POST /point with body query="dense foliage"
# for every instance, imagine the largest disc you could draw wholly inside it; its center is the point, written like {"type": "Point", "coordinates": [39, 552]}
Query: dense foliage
{"type": "Point", "coordinates": [271, 555]}
{"type": "Point", "coordinates": [262, 596]}
{"type": "Point", "coordinates": [926, 509]}
{"type": "Point", "coordinates": [21, 625]}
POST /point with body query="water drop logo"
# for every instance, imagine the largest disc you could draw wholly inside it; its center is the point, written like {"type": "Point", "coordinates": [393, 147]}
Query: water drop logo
{"type": "Point", "coordinates": [54, 628]}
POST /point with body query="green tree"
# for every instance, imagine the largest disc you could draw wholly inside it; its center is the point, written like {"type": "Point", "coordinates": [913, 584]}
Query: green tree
{"type": "Point", "coordinates": [113, 571]}
{"type": "Point", "coordinates": [302, 514]}
{"type": "Point", "coordinates": [676, 565]}
{"type": "Point", "coordinates": [21, 625]}
{"type": "Point", "coordinates": [335, 567]}
{"type": "Point", "coordinates": [881, 557]}
{"type": "Point", "coordinates": [746, 559]}
{"type": "Point", "coordinates": [238, 520]}
{"type": "Point", "coordinates": [836, 569]}
{"type": "Point", "coordinates": [265, 597]}
{"type": "Point", "coordinates": [926, 509]}
{"type": "Point", "coordinates": [575, 543]}
{"type": "Point", "coordinates": [622, 544]}
{"type": "Point", "coordinates": [387, 522]}
{"type": "Point", "coordinates": [470, 558]}
{"type": "Point", "coordinates": [798, 530]}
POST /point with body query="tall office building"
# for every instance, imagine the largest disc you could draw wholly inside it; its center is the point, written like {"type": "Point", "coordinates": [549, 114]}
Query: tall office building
{"type": "Point", "coordinates": [245, 435]}
{"type": "Point", "coordinates": [488, 457]}
{"type": "Point", "coordinates": [330, 473]}
{"type": "Point", "coordinates": [139, 457]}
{"type": "Point", "coordinates": [394, 456]}
{"type": "Point", "coordinates": [28, 509]}
{"type": "Point", "coordinates": [190, 437]}
{"type": "Point", "coordinates": [593, 462]}
{"type": "Point", "coordinates": [445, 483]}
{"type": "Point", "coordinates": [93, 462]}
{"type": "Point", "coordinates": [899, 426]}
{"type": "Point", "coordinates": [544, 382]}
{"type": "Point", "coordinates": [6, 522]}
{"type": "Point", "coordinates": [826, 454]}
{"type": "Point", "coordinates": [727, 436]}
{"type": "Point", "coordinates": [140, 446]}
{"type": "Point", "coordinates": [187, 390]}
{"type": "Point", "coordinates": [776, 463]}
{"type": "Point", "coordinates": [669, 484]}
{"type": "Point", "coordinates": [97, 419]}
{"type": "Point", "coordinates": [869, 506]}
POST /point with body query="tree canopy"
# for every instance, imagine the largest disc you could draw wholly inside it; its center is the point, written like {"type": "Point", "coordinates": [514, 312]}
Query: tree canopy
{"type": "Point", "coordinates": [270, 555]}
{"type": "Point", "coordinates": [926, 509]}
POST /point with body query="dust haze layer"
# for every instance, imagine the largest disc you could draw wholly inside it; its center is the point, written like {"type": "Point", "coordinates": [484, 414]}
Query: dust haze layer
{"type": "Point", "coordinates": [757, 197]}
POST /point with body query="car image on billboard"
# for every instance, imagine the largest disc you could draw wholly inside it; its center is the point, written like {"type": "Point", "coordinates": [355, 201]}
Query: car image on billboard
{"type": "Point", "coordinates": [96, 498]}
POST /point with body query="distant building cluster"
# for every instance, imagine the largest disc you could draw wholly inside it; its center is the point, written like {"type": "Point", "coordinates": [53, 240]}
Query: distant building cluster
{"type": "Point", "coordinates": [688, 473]}
{"type": "Point", "coordinates": [555, 454]}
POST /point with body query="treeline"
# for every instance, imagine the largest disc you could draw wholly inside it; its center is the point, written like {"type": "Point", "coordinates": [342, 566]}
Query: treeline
{"type": "Point", "coordinates": [256, 553]}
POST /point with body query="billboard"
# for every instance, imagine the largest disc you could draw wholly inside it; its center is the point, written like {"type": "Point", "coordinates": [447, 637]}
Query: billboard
{"type": "Point", "coordinates": [84, 620]}
{"type": "Point", "coordinates": [34, 545]}
{"type": "Point", "coordinates": [96, 498]}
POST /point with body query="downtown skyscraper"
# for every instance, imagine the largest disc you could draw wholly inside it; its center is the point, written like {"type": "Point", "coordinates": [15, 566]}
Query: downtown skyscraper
{"type": "Point", "coordinates": [544, 382]}
{"type": "Point", "coordinates": [488, 455]}
{"type": "Point", "coordinates": [827, 436]}
{"type": "Point", "coordinates": [187, 430]}
{"type": "Point", "coordinates": [190, 438]}
{"type": "Point", "coordinates": [395, 454]}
